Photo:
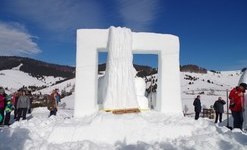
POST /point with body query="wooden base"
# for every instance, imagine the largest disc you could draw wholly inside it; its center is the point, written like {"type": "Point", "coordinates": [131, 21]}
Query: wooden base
{"type": "Point", "coordinates": [125, 111]}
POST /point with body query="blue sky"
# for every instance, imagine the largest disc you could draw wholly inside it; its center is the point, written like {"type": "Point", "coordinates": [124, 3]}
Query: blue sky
{"type": "Point", "coordinates": [212, 33]}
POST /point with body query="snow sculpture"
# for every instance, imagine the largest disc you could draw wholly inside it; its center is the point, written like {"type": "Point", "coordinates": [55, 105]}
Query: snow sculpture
{"type": "Point", "coordinates": [243, 79]}
{"type": "Point", "coordinates": [119, 75]}
{"type": "Point", "coordinates": [92, 41]}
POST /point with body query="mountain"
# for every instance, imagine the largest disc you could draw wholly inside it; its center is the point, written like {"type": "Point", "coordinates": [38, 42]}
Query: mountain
{"type": "Point", "coordinates": [192, 68]}
{"type": "Point", "coordinates": [141, 69]}
{"type": "Point", "coordinates": [39, 69]}
{"type": "Point", "coordinates": [36, 68]}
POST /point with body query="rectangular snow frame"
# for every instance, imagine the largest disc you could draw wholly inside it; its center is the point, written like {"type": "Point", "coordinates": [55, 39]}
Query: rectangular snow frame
{"type": "Point", "coordinates": [166, 46]}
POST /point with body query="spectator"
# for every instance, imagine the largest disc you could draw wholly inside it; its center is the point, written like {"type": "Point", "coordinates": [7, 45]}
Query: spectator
{"type": "Point", "coordinates": [236, 97]}
{"type": "Point", "coordinates": [23, 105]}
{"type": "Point", "coordinates": [8, 108]}
{"type": "Point", "coordinates": [198, 107]}
{"type": "Point", "coordinates": [219, 109]}
{"type": "Point", "coordinates": [57, 96]}
{"type": "Point", "coordinates": [52, 103]}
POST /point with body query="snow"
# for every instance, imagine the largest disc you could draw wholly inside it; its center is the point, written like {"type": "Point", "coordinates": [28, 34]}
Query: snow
{"type": "Point", "coordinates": [146, 130]}
{"type": "Point", "coordinates": [15, 79]}
{"type": "Point", "coordinates": [67, 86]}
{"type": "Point", "coordinates": [218, 86]}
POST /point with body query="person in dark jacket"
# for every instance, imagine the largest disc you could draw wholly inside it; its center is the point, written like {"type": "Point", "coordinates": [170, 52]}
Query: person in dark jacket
{"type": "Point", "coordinates": [219, 109]}
{"type": "Point", "coordinates": [23, 104]}
{"type": "Point", "coordinates": [198, 107]}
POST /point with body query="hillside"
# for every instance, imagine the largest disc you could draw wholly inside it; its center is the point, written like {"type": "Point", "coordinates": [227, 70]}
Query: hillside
{"type": "Point", "coordinates": [36, 68]}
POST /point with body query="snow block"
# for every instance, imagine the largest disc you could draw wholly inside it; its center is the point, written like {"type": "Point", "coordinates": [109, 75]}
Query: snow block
{"type": "Point", "coordinates": [92, 41]}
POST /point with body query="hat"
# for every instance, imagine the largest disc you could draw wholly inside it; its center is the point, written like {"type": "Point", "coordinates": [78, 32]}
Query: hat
{"type": "Point", "coordinates": [244, 85]}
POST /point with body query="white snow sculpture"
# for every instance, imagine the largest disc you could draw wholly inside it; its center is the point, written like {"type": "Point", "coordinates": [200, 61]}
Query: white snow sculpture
{"type": "Point", "coordinates": [243, 79]}
{"type": "Point", "coordinates": [119, 76]}
{"type": "Point", "coordinates": [92, 41]}
{"type": "Point", "coordinates": [140, 87]}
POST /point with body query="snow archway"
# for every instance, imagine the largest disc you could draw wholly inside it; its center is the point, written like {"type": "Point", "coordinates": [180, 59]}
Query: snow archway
{"type": "Point", "coordinates": [91, 41]}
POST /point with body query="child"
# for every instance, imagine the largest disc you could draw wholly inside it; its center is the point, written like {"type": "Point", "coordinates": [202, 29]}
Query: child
{"type": "Point", "coordinates": [8, 108]}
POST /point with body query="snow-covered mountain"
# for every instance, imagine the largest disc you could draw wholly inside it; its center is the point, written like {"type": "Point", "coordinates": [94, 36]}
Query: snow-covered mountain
{"type": "Point", "coordinates": [14, 79]}
{"type": "Point", "coordinates": [210, 85]}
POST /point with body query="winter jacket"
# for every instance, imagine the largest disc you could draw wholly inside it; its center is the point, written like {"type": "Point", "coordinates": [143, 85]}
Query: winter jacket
{"type": "Point", "coordinates": [9, 107]}
{"type": "Point", "coordinates": [219, 106]}
{"type": "Point", "coordinates": [51, 102]}
{"type": "Point", "coordinates": [2, 101]}
{"type": "Point", "coordinates": [197, 104]}
{"type": "Point", "coordinates": [236, 97]}
{"type": "Point", "coordinates": [23, 102]}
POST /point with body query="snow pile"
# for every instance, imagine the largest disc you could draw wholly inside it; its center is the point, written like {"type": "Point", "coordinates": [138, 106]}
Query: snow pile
{"type": "Point", "coordinates": [147, 130]}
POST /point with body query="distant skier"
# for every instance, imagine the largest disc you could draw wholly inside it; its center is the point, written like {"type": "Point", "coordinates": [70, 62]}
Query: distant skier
{"type": "Point", "coordinates": [198, 107]}
{"type": "Point", "coordinates": [236, 97]}
{"type": "Point", "coordinates": [219, 109]}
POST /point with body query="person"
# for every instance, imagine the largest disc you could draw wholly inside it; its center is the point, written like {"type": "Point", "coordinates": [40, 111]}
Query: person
{"type": "Point", "coordinates": [8, 108]}
{"type": "Point", "coordinates": [219, 109]}
{"type": "Point", "coordinates": [29, 94]}
{"type": "Point", "coordinates": [57, 96]}
{"type": "Point", "coordinates": [198, 107]}
{"type": "Point", "coordinates": [2, 104]}
{"type": "Point", "coordinates": [236, 106]}
{"type": "Point", "coordinates": [23, 105]}
{"type": "Point", "coordinates": [15, 100]}
{"type": "Point", "coordinates": [52, 103]}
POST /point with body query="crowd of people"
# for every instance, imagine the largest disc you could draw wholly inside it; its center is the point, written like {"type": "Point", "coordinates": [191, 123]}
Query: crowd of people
{"type": "Point", "coordinates": [237, 106]}
{"type": "Point", "coordinates": [20, 102]}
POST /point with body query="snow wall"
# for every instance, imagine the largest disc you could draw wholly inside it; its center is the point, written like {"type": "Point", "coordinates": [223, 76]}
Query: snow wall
{"type": "Point", "coordinates": [92, 41]}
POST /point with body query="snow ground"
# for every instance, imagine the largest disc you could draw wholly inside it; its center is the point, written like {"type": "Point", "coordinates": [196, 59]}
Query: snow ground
{"type": "Point", "coordinates": [146, 130]}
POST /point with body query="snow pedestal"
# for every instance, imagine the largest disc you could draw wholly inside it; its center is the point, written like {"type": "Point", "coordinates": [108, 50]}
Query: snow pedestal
{"type": "Point", "coordinates": [92, 41]}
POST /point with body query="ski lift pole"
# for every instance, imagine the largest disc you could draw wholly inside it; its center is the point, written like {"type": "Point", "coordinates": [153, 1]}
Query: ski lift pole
{"type": "Point", "coordinates": [227, 105]}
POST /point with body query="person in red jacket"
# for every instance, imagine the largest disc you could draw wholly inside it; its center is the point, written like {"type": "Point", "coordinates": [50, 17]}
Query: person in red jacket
{"type": "Point", "coordinates": [236, 97]}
